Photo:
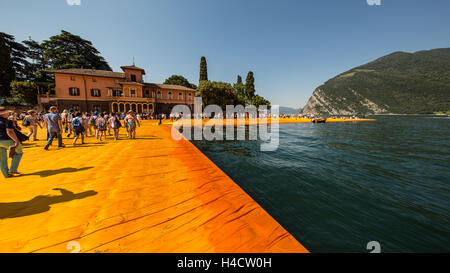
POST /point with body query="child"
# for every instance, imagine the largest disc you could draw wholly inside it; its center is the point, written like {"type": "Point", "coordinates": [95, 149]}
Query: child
{"type": "Point", "coordinates": [78, 128]}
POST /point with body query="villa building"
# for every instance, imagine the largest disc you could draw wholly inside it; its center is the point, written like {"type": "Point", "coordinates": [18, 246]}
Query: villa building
{"type": "Point", "coordinates": [106, 91]}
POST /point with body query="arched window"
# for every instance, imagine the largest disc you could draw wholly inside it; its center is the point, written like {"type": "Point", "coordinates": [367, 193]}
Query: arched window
{"type": "Point", "coordinates": [74, 91]}
{"type": "Point", "coordinates": [190, 96]}
{"type": "Point", "coordinates": [180, 96]}
{"type": "Point", "coordinates": [132, 92]}
{"type": "Point", "coordinates": [159, 95]}
{"type": "Point", "coordinates": [170, 95]}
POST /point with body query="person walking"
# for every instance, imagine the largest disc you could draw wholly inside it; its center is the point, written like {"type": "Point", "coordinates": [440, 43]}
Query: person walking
{"type": "Point", "coordinates": [53, 123]}
{"type": "Point", "coordinates": [78, 128]}
{"type": "Point", "coordinates": [101, 127]}
{"type": "Point", "coordinates": [131, 122]}
{"type": "Point", "coordinates": [114, 124]}
{"type": "Point", "coordinates": [69, 120]}
{"type": "Point", "coordinates": [31, 122]}
{"type": "Point", "coordinates": [9, 142]}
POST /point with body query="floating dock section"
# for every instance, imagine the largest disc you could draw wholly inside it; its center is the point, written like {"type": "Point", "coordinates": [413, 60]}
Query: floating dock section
{"type": "Point", "coordinates": [153, 194]}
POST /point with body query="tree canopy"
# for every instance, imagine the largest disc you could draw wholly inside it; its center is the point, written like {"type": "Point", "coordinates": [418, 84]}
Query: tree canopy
{"type": "Point", "coordinates": [67, 50]}
{"type": "Point", "coordinates": [18, 56]}
{"type": "Point", "coordinates": [218, 93]}
{"type": "Point", "coordinates": [179, 80]}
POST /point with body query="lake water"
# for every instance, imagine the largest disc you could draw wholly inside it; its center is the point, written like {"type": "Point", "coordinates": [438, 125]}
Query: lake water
{"type": "Point", "coordinates": [338, 186]}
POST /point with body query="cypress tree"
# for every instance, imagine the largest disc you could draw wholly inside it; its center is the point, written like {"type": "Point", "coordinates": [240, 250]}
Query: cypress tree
{"type": "Point", "coordinates": [239, 79]}
{"type": "Point", "coordinates": [203, 69]}
{"type": "Point", "coordinates": [250, 86]}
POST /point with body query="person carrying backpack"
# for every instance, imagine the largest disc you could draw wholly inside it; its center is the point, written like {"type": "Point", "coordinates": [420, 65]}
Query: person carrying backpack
{"type": "Point", "coordinates": [93, 124]}
{"type": "Point", "coordinates": [31, 122]}
{"type": "Point", "coordinates": [78, 128]}
{"type": "Point", "coordinates": [101, 127]}
{"type": "Point", "coordinates": [114, 123]}
{"type": "Point", "coordinates": [69, 119]}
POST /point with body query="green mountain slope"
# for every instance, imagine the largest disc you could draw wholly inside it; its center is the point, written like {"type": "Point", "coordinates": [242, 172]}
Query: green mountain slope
{"type": "Point", "coordinates": [399, 83]}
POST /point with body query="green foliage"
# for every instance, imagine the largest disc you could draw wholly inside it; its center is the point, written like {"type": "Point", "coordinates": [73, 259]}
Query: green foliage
{"type": "Point", "coordinates": [443, 113]}
{"type": "Point", "coordinates": [38, 65]}
{"type": "Point", "coordinates": [223, 94]}
{"type": "Point", "coordinates": [6, 70]}
{"type": "Point", "coordinates": [180, 80]}
{"type": "Point", "coordinates": [250, 86]}
{"type": "Point", "coordinates": [259, 101]}
{"type": "Point", "coordinates": [239, 79]}
{"type": "Point", "coordinates": [18, 56]}
{"type": "Point", "coordinates": [67, 50]}
{"type": "Point", "coordinates": [22, 93]}
{"type": "Point", "coordinates": [218, 93]}
{"type": "Point", "coordinates": [203, 70]}
{"type": "Point", "coordinates": [402, 83]}
{"type": "Point", "coordinates": [240, 89]}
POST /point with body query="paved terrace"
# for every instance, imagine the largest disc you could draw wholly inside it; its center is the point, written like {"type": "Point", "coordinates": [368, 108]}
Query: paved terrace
{"type": "Point", "coordinates": [152, 194]}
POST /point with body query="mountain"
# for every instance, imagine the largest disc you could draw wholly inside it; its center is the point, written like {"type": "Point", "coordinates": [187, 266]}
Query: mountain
{"type": "Point", "coordinates": [399, 83]}
{"type": "Point", "coordinates": [288, 110]}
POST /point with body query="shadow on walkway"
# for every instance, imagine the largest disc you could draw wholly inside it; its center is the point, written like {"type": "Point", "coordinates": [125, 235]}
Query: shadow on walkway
{"type": "Point", "coordinates": [39, 204]}
{"type": "Point", "coordinates": [55, 172]}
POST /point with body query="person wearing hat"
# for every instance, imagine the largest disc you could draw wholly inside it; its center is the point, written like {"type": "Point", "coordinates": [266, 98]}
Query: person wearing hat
{"type": "Point", "coordinates": [131, 122]}
{"type": "Point", "coordinates": [9, 142]}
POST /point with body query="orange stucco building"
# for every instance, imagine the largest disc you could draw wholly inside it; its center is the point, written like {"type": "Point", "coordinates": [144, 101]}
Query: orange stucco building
{"type": "Point", "coordinates": [106, 91]}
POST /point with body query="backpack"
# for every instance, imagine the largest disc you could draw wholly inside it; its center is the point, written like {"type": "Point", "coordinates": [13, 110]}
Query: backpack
{"type": "Point", "coordinates": [69, 117]}
{"type": "Point", "coordinates": [117, 123]}
{"type": "Point", "coordinates": [92, 120]}
{"type": "Point", "coordinates": [76, 124]}
{"type": "Point", "coordinates": [101, 124]}
{"type": "Point", "coordinates": [26, 122]}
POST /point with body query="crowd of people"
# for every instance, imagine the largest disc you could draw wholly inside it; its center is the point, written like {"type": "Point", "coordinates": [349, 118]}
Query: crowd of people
{"type": "Point", "coordinates": [75, 124]}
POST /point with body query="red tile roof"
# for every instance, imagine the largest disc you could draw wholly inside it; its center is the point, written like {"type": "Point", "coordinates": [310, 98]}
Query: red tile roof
{"type": "Point", "coordinates": [168, 86]}
{"type": "Point", "coordinates": [133, 67]}
{"type": "Point", "coordinates": [89, 72]}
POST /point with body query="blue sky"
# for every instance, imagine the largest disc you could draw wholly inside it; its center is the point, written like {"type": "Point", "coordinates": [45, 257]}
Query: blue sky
{"type": "Point", "coordinates": [291, 46]}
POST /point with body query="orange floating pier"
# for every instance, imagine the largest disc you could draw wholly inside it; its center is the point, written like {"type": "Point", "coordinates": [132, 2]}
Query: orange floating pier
{"type": "Point", "coordinates": [257, 121]}
{"type": "Point", "coordinates": [152, 194]}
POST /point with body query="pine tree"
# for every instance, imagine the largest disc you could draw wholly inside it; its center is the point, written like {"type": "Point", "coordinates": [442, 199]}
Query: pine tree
{"type": "Point", "coordinates": [67, 50]}
{"type": "Point", "coordinates": [18, 56]}
{"type": "Point", "coordinates": [38, 65]}
{"type": "Point", "coordinates": [6, 69]}
{"type": "Point", "coordinates": [250, 86]}
{"type": "Point", "coordinates": [203, 69]}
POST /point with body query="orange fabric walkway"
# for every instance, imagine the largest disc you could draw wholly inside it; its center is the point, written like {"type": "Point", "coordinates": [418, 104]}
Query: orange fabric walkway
{"type": "Point", "coordinates": [152, 194]}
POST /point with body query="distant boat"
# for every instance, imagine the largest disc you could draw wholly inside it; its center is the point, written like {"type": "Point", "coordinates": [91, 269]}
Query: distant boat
{"type": "Point", "coordinates": [319, 120]}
